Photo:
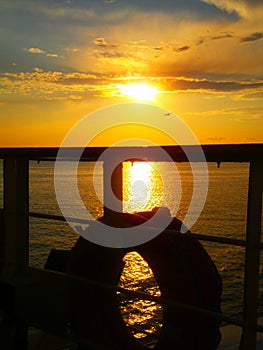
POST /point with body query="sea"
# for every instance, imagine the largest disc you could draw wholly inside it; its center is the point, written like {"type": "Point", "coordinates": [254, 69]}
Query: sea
{"type": "Point", "coordinates": [146, 186]}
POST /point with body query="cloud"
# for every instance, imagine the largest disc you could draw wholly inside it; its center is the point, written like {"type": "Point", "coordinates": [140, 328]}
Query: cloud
{"type": "Point", "coordinates": [112, 55]}
{"type": "Point", "coordinates": [222, 36]}
{"type": "Point", "coordinates": [248, 113]}
{"type": "Point", "coordinates": [54, 85]}
{"type": "Point", "coordinates": [35, 50]}
{"type": "Point", "coordinates": [59, 85]}
{"type": "Point", "coordinates": [182, 48]}
{"type": "Point", "coordinates": [77, 78]}
{"type": "Point", "coordinates": [159, 48]}
{"type": "Point", "coordinates": [186, 84]}
{"type": "Point", "coordinates": [98, 13]}
{"type": "Point", "coordinates": [243, 8]}
{"type": "Point", "coordinates": [52, 55]}
{"type": "Point", "coordinates": [72, 49]}
{"type": "Point", "coordinates": [217, 139]}
{"type": "Point", "coordinates": [121, 55]}
{"type": "Point", "coordinates": [251, 96]}
{"type": "Point", "coordinates": [252, 37]}
{"type": "Point", "coordinates": [200, 10]}
{"type": "Point", "coordinates": [37, 69]}
{"type": "Point", "coordinates": [101, 42]}
{"type": "Point", "coordinates": [64, 98]}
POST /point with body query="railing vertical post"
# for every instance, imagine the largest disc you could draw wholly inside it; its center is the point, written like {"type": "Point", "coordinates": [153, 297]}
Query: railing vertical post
{"type": "Point", "coordinates": [15, 247]}
{"type": "Point", "coordinates": [252, 258]}
{"type": "Point", "coordinates": [112, 188]}
{"type": "Point", "coordinates": [16, 205]}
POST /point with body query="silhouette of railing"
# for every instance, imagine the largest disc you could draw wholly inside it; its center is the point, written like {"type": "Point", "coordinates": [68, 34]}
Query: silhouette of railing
{"type": "Point", "coordinates": [28, 294]}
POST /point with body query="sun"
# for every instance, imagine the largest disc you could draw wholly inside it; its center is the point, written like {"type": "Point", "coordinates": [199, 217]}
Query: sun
{"type": "Point", "coordinates": [141, 92]}
{"type": "Point", "coordinates": [140, 171]}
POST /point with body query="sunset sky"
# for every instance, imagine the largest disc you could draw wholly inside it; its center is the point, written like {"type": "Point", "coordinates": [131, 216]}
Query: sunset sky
{"type": "Point", "coordinates": [61, 60]}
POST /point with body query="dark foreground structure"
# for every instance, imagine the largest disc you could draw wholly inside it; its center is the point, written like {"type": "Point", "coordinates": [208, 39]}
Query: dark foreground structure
{"type": "Point", "coordinates": [40, 298]}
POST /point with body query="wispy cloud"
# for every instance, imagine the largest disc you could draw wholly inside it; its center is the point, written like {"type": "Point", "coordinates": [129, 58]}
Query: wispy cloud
{"type": "Point", "coordinates": [222, 36]}
{"type": "Point", "coordinates": [240, 114]}
{"type": "Point", "coordinates": [35, 50]}
{"type": "Point", "coordinates": [38, 51]}
{"type": "Point", "coordinates": [250, 96]}
{"type": "Point", "coordinates": [52, 55]}
{"type": "Point", "coordinates": [72, 49]}
{"type": "Point", "coordinates": [182, 48]}
{"type": "Point", "coordinates": [101, 42]}
{"type": "Point", "coordinates": [64, 98]}
{"type": "Point", "coordinates": [45, 83]}
{"type": "Point", "coordinates": [186, 84]}
{"type": "Point", "coordinates": [252, 37]}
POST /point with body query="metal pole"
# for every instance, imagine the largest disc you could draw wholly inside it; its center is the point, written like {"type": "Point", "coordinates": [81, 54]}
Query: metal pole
{"type": "Point", "coordinates": [112, 188]}
{"type": "Point", "coordinates": [15, 248]}
{"type": "Point", "coordinates": [252, 258]}
{"type": "Point", "coordinates": [16, 205]}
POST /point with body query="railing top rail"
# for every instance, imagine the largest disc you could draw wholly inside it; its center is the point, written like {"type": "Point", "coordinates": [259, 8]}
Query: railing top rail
{"type": "Point", "coordinates": [213, 153]}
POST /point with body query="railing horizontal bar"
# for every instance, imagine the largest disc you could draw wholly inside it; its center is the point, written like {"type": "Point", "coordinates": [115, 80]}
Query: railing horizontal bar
{"type": "Point", "coordinates": [137, 294]}
{"type": "Point", "coordinates": [202, 237]}
{"type": "Point", "coordinates": [59, 218]}
{"type": "Point", "coordinates": [213, 153]}
{"type": "Point", "coordinates": [184, 306]}
{"type": "Point", "coordinates": [219, 239]}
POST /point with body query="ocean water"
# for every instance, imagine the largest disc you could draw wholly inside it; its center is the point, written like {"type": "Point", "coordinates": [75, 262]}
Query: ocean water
{"type": "Point", "coordinates": [224, 214]}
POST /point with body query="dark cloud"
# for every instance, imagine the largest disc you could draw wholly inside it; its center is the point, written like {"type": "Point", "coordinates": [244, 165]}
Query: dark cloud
{"type": "Point", "coordinates": [252, 37]}
{"type": "Point", "coordinates": [222, 36]}
{"type": "Point", "coordinates": [204, 84]}
{"type": "Point", "coordinates": [234, 7]}
{"type": "Point", "coordinates": [160, 48]}
{"type": "Point", "coordinates": [186, 8]}
{"type": "Point", "coordinates": [182, 48]}
{"type": "Point", "coordinates": [192, 8]}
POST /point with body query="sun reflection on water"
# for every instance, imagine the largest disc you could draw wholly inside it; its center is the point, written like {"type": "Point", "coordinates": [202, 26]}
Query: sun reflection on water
{"type": "Point", "coordinates": [143, 317]}
{"type": "Point", "coordinates": [142, 187]}
{"type": "Point", "coordinates": [142, 191]}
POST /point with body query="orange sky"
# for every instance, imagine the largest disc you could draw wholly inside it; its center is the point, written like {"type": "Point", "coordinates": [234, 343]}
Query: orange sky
{"type": "Point", "coordinates": [62, 60]}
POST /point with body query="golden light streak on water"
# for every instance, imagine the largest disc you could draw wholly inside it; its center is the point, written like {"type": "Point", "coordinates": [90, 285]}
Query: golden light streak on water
{"type": "Point", "coordinates": [142, 187]}
{"type": "Point", "coordinates": [142, 191]}
{"type": "Point", "coordinates": [143, 317]}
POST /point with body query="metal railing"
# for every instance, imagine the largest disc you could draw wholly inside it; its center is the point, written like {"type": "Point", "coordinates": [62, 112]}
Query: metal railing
{"type": "Point", "coordinates": [26, 282]}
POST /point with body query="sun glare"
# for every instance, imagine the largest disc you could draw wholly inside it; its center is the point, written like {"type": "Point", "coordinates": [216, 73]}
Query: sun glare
{"type": "Point", "coordinates": [140, 171]}
{"type": "Point", "coordinates": [142, 187]}
{"type": "Point", "coordinates": [141, 92]}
